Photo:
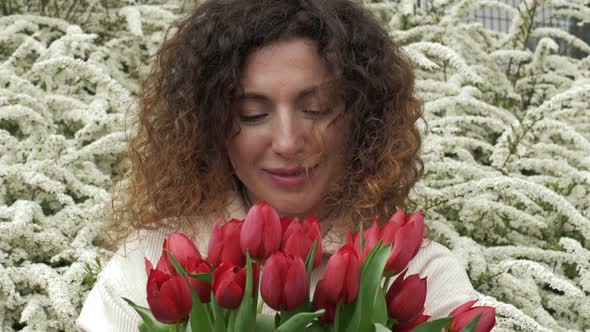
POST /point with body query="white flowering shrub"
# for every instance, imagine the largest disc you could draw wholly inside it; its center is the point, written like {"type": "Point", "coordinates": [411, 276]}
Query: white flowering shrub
{"type": "Point", "coordinates": [506, 149]}
{"type": "Point", "coordinates": [507, 153]}
{"type": "Point", "coordinates": [63, 97]}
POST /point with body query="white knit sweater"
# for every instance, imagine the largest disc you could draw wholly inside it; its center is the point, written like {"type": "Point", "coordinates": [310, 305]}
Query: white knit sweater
{"type": "Point", "coordinates": [124, 276]}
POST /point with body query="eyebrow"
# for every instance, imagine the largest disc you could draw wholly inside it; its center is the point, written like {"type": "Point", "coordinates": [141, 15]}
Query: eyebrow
{"type": "Point", "coordinates": [310, 91]}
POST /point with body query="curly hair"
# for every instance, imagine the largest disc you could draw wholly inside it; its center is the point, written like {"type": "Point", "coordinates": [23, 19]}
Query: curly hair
{"type": "Point", "coordinates": [180, 168]}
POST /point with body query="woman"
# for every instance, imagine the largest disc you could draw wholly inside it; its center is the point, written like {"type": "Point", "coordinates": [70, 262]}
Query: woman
{"type": "Point", "coordinates": [305, 104]}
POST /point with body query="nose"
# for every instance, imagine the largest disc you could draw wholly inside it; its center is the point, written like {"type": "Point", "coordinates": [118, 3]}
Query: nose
{"type": "Point", "coordinates": [288, 136]}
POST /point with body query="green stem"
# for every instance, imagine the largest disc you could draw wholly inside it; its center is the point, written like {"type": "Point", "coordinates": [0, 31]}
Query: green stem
{"type": "Point", "coordinates": [337, 316]}
{"type": "Point", "coordinates": [210, 314]}
{"type": "Point", "coordinates": [232, 320]}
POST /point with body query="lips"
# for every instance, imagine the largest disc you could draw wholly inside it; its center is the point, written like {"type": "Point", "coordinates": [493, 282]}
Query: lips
{"type": "Point", "coordinates": [290, 177]}
{"type": "Point", "coordinates": [290, 171]}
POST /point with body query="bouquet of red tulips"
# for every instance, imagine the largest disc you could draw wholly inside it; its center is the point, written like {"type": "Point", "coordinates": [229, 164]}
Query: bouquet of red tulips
{"type": "Point", "coordinates": [221, 292]}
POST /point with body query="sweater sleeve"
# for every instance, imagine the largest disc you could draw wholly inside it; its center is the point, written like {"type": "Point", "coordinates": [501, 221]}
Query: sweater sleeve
{"type": "Point", "coordinates": [124, 276]}
{"type": "Point", "coordinates": [448, 285]}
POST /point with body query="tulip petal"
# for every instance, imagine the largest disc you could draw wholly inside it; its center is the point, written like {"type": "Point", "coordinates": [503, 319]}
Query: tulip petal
{"type": "Point", "coordinates": [171, 303]}
{"type": "Point", "coordinates": [320, 301]}
{"type": "Point", "coordinates": [272, 232]}
{"type": "Point", "coordinates": [353, 278]}
{"type": "Point", "coordinates": [252, 232]}
{"type": "Point", "coordinates": [181, 247]}
{"type": "Point", "coordinates": [215, 245]}
{"type": "Point", "coordinates": [372, 237]}
{"type": "Point", "coordinates": [296, 286]}
{"type": "Point", "coordinates": [334, 276]}
{"type": "Point", "coordinates": [231, 243]}
{"type": "Point", "coordinates": [406, 245]}
{"type": "Point", "coordinates": [406, 298]}
{"type": "Point", "coordinates": [273, 278]}
{"type": "Point", "coordinates": [486, 321]}
{"type": "Point", "coordinates": [462, 308]}
{"type": "Point", "coordinates": [229, 294]}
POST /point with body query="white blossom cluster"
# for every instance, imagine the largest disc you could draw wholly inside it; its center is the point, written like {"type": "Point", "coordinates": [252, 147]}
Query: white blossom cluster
{"type": "Point", "coordinates": [507, 153]}
{"type": "Point", "coordinates": [506, 150]}
{"type": "Point", "coordinates": [63, 98]}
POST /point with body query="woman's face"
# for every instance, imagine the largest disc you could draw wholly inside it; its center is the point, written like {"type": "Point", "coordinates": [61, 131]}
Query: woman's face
{"type": "Point", "coordinates": [287, 122]}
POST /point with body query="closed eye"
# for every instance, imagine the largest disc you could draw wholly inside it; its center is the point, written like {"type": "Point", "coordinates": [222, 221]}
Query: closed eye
{"type": "Point", "coordinates": [252, 118]}
{"type": "Point", "coordinates": [312, 112]}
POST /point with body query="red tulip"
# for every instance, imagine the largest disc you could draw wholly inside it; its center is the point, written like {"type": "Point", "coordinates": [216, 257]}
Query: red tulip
{"type": "Point", "coordinates": [320, 301]}
{"type": "Point", "coordinates": [284, 283]}
{"type": "Point", "coordinates": [168, 297]}
{"type": "Point", "coordinates": [229, 282]}
{"type": "Point", "coordinates": [405, 298]}
{"type": "Point", "coordinates": [392, 226]}
{"type": "Point", "coordinates": [285, 223]}
{"type": "Point", "coordinates": [340, 282]}
{"type": "Point", "coordinates": [168, 294]}
{"type": "Point", "coordinates": [409, 326]}
{"type": "Point", "coordinates": [261, 232]}
{"type": "Point", "coordinates": [298, 239]}
{"type": "Point", "coordinates": [203, 289]}
{"type": "Point", "coordinates": [406, 240]}
{"type": "Point", "coordinates": [181, 247]}
{"type": "Point", "coordinates": [371, 235]}
{"type": "Point", "coordinates": [465, 313]}
{"type": "Point", "coordinates": [224, 244]}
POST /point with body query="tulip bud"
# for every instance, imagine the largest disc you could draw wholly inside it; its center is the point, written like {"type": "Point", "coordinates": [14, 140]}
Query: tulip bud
{"type": "Point", "coordinates": [261, 232]}
{"type": "Point", "coordinates": [203, 289]}
{"type": "Point", "coordinates": [181, 247]}
{"type": "Point", "coordinates": [320, 301]}
{"type": "Point", "coordinates": [371, 236]}
{"type": "Point", "coordinates": [405, 298]}
{"type": "Point", "coordinates": [340, 281]}
{"type": "Point", "coordinates": [298, 239]}
{"type": "Point", "coordinates": [407, 242]}
{"type": "Point", "coordinates": [229, 282]}
{"type": "Point", "coordinates": [168, 296]}
{"type": "Point", "coordinates": [224, 244]}
{"type": "Point", "coordinates": [393, 226]}
{"type": "Point", "coordinates": [465, 313]}
{"type": "Point", "coordinates": [284, 284]}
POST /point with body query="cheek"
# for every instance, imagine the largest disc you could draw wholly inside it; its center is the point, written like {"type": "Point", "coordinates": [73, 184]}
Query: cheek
{"type": "Point", "coordinates": [243, 149]}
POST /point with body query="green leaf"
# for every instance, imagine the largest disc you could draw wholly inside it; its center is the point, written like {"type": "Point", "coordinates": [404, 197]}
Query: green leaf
{"type": "Point", "coordinates": [337, 316]}
{"type": "Point", "coordinates": [381, 328]}
{"type": "Point", "coordinates": [299, 321]}
{"type": "Point", "coordinates": [433, 326]}
{"type": "Point", "coordinates": [219, 314]}
{"type": "Point", "coordinates": [199, 315]}
{"type": "Point", "coordinates": [380, 307]}
{"type": "Point", "coordinates": [371, 274]}
{"type": "Point", "coordinates": [204, 277]}
{"type": "Point", "coordinates": [309, 260]}
{"type": "Point", "coordinates": [246, 312]}
{"type": "Point", "coordinates": [149, 323]}
{"type": "Point", "coordinates": [471, 326]}
{"type": "Point", "coordinates": [265, 323]}
{"type": "Point", "coordinates": [142, 328]}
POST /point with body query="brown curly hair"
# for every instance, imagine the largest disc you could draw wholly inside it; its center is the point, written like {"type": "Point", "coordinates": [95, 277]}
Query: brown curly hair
{"type": "Point", "coordinates": [180, 168]}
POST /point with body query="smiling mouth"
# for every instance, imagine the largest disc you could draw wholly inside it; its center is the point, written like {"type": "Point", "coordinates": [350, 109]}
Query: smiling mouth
{"type": "Point", "coordinates": [291, 178]}
{"type": "Point", "coordinates": [293, 172]}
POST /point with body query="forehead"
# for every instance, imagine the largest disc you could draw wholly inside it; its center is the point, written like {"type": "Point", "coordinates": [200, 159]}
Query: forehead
{"type": "Point", "coordinates": [287, 69]}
